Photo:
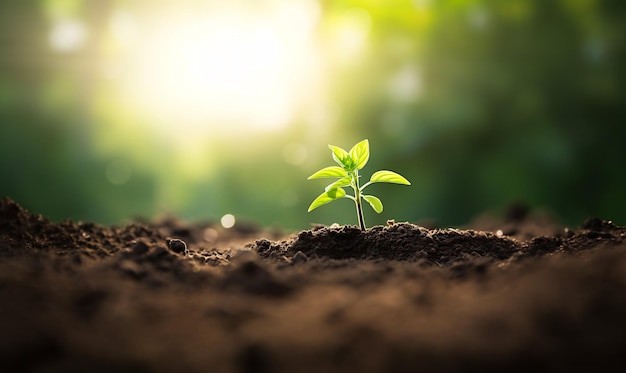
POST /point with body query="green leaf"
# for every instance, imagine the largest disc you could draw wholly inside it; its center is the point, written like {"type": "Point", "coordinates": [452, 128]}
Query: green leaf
{"type": "Point", "coordinates": [332, 171]}
{"type": "Point", "coordinates": [360, 153]}
{"type": "Point", "coordinates": [327, 197]}
{"type": "Point", "coordinates": [385, 176]}
{"type": "Point", "coordinates": [343, 182]}
{"type": "Point", "coordinates": [342, 158]}
{"type": "Point", "coordinates": [374, 202]}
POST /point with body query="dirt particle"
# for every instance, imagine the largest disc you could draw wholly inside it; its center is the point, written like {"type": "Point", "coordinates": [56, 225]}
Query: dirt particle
{"type": "Point", "coordinates": [158, 254]}
{"type": "Point", "coordinates": [132, 269]}
{"type": "Point", "coordinates": [139, 248]}
{"type": "Point", "coordinates": [177, 246]}
{"type": "Point", "coordinates": [543, 245]}
{"type": "Point", "coordinates": [254, 358]}
{"type": "Point", "coordinates": [299, 257]}
{"type": "Point", "coordinates": [89, 302]}
{"type": "Point", "coordinates": [262, 245]}
{"type": "Point", "coordinates": [250, 276]}
{"type": "Point", "coordinates": [598, 225]}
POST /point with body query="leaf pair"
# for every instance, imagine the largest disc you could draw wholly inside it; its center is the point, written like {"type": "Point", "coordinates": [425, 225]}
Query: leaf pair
{"type": "Point", "coordinates": [356, 159]}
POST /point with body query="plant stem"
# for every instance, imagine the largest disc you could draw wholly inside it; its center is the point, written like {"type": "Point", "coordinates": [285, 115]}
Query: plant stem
{"type": "Point", "coordinates": [357, 200]}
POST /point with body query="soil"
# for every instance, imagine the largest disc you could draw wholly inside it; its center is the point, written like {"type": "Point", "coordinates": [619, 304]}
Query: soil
{"type": "Point", "coordinates": [516, 294]}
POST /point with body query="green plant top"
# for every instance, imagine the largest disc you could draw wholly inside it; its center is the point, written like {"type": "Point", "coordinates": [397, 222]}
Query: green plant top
{"type": "Point", "coordinates": [347, 174]}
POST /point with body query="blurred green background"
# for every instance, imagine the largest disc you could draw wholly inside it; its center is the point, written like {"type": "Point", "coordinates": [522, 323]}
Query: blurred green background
{"type": "Point", "coordinates": [112, 110]}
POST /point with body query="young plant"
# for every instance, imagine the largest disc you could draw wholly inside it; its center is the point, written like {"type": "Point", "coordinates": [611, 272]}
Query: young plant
{"type": "Point", "coordinates": [347, 174]}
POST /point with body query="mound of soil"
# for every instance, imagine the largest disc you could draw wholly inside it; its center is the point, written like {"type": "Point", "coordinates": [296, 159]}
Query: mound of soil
{"type": "Point", "coordinates": [520, 294]}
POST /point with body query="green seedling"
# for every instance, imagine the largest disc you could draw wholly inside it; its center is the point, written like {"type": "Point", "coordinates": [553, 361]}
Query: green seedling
{"type": "Point", "coordinates": [347, 174]}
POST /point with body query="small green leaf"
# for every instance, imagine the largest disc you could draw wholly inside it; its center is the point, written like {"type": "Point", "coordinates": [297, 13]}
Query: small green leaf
{"type": "Point", "coordinates": [360, 153]}
{"type": "Point", "coordinates": [374, 202]}
{"type": "Point", "coordinates": [332, 171]}
{"type": "Point", "coordinates": [343, 182]}
{"type": "Point", "coordinates": [327, 197]}
{"type": "Point", "coordinates": [342, 158]}
{"type": "Point", "coordinates": [385, 176]}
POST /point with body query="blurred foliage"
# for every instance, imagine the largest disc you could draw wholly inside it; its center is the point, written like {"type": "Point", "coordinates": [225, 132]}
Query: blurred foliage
{"type": "Point", "coordinates": [480, 103]}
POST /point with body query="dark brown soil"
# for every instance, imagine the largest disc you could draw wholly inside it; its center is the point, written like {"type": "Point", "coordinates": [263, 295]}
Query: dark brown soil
{"type": "Point", "coordinates": [521, 295]}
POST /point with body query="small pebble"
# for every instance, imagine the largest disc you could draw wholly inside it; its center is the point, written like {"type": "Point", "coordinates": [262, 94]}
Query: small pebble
{"type": "Point", "coordinates": [177, 246]}
{"type": "Point", "coordinates": [299, 257]}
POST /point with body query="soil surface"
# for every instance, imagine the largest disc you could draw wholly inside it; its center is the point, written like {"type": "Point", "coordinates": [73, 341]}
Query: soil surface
{"type": "Point", "coordinates": [517, 294]}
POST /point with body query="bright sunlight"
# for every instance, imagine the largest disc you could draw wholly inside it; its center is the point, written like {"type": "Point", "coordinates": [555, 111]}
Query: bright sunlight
{"type": "Point", "coordinates": [218, 70]}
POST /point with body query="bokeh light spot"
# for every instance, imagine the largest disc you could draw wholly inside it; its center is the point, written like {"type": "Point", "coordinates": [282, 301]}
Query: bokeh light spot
{"type": "Point", "coordinates": [210, 235]}
{"type": "Point", "coordinates": [478, 18]}
{"type": "Point", "coordinates": [406, 84]}
{"type": "Point", "coordinates": [350, 36]}
{"type": "Point", "coordinates": [67, 35]}
{"type": "Point", "coordinates": [118, 172]}
{"type": "Point", "coordinates": [123, 27]}
{"type": "Point", "coordinates": [228, 221]}
{"type": "Point", "coordinates": [289, 198]}
{"type": "Point", "coordinates": [295, 154]}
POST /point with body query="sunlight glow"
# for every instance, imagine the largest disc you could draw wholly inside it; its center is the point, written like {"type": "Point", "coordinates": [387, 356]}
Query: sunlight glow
{"type": "Point", "coordinates": [223, 70]}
